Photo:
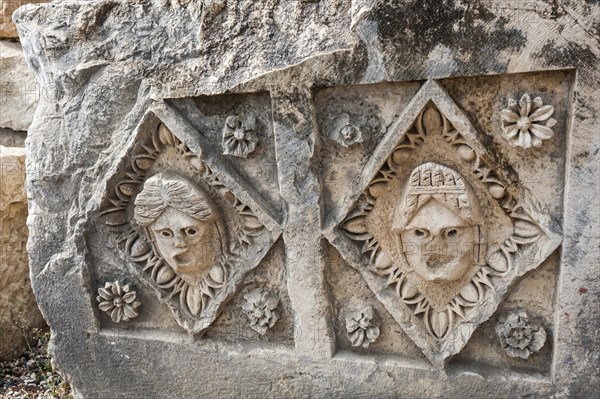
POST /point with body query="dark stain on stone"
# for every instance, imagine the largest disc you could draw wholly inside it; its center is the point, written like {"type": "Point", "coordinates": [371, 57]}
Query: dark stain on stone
{"type": "Point", "coordinates": [409, 32]}
{"type": "Point", "coordinates": [93, 18]}
{"type": "Point", "coordinates": [582, 290]}
{"type": "Point", "coordinates": [567, 56]}
{"type": "Point", "coordinates": [581, 156]}
{"type": "Point", "coordinates": [596, 27]}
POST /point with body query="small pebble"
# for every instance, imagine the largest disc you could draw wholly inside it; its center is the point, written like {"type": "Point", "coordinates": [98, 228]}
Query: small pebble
{"type": "Point", "coordinates": [19, 377]}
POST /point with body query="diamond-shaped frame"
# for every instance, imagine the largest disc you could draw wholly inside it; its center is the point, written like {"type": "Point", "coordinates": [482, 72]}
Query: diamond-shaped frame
{"type": "Point", "coordinates": [534, 237]}
{"type": "Point", "coordinates": [162, 129]}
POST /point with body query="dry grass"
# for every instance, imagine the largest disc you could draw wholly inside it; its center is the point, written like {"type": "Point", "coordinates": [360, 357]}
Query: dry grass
{"type": "Point", "coordinates": [31, 375]}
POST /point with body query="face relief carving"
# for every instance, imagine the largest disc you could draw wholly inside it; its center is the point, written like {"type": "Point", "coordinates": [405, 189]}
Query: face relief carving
{"type": "Point", "coordinates": [184, 242]}
{"type": "Point", "coordinates": [440, 240]}
{"type": "Point", "coordinates": [181, 222]}
{"type": "Point", "coordinates": [437, 224]}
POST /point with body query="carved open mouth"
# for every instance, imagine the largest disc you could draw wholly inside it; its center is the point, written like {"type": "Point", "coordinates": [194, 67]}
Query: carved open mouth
{"type": "Point", "coordinates": [438, 261]}
{"type": "Point", "coordinates": [183, 259]}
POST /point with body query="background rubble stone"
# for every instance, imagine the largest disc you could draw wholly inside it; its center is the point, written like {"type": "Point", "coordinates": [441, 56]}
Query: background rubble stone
{"type": "Point", "coordinates": [18, 309]}
{"type": "Point", "coordinates": [7, 8]}
{"type": "Point", "coordinates": [19, 92]}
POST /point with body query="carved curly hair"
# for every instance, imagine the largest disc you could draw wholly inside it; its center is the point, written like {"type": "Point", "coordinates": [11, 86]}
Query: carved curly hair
{"type": "Point", "coordinates": [169, 189]}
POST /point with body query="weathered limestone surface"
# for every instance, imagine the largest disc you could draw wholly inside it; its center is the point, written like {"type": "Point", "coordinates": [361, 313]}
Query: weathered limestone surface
{"type": "Point", "coordinates": [18, 309]}
{"type": "Point", "coordinates": [317, 199]}
{"type": "Point", "coordinates": [19, 93]}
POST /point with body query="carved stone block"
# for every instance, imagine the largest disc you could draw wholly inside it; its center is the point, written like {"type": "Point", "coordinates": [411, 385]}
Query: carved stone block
{"type": "Point", "coordinates": [316, 198]}
{"type": "Point", "coordinates": [185, 233]}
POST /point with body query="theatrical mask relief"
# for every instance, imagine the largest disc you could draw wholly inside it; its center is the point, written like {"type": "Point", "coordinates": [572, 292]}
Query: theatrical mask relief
{"type": "Point", "coordinates": [184, 232]}
{"type": "Point", "coordinates": [438, 225]}
{"type": "Point", "coordinates": [438, 233]}
{"type": "Point", "coordinates": [183, 226]}
{"type": "Point", "coordinates": [308, 198]}
{"type": "Point", "coordinates": [434, 228]}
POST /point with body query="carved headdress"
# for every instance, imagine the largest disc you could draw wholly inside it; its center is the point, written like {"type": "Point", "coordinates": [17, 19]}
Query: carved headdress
{"type": "Point", "coordinates": [434, 181]}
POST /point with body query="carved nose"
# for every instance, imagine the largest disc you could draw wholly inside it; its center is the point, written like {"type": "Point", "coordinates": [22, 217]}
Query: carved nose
{"type": "Point", "coordinates": [437, 260]}
{"type": "Point", "coordinates": [435, 244]}
{"type": "Point", "coordinates": [179, 243]}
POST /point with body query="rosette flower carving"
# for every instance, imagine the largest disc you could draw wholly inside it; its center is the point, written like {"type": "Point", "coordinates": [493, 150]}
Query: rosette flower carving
{"type": "Point", "coordinates": [239, 137]}
{"type": "Point", "coordinates": [527, 123]}
{"type": "Point", "coordinates": [361, 328]}
{"type": "Point", "coordinates": [350, 134]}
{"type": "Point", "coordinates": [259, 305]}
{"type": "Point", "coordinates": [344, 132]}
{"type": "Point", "coordinates": [118, 301]}
{"type": "Point", "coordinates": [518, 337]}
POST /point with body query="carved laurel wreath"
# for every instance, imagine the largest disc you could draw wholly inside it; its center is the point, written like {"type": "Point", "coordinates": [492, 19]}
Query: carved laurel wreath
{"type": "Point", "coordinates": [193, 299]}
{"type": "Point", "coordinates": [498, 263]}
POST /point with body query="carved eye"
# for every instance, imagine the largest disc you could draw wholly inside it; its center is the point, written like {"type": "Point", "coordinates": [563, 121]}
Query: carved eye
{"type": "Point", "coordinates": [166, 233]}
{"type": "Point", "coordinates": [191, 231]}
{"type": "Point", "coordinates": [420, 233]}
{"type": "Point", "coordinates": [451, 233]}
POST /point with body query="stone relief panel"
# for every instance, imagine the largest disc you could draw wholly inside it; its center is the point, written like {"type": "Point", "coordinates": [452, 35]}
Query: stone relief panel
{"type": "Point", "coordinates": [439, 233]}
{"type": "Point", "coordinates": [417, 201]}
{"type": "Point", "coordinates": [443, 269]}
{"type": "Point", "coordinates": [183, 231]}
